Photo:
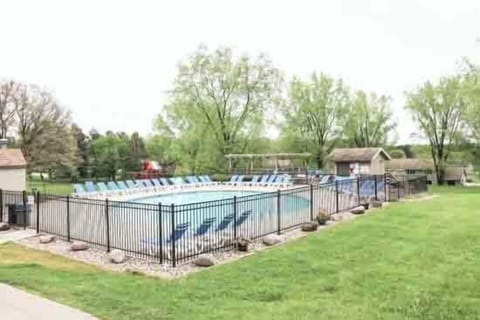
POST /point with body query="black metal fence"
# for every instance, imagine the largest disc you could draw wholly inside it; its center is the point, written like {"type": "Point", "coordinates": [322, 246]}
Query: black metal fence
{"type": "Point", "coordinates": [169, 233]}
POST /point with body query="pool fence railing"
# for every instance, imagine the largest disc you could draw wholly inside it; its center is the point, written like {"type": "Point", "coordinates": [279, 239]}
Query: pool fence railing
{"type": "Point", "coordinates": [177, 233]}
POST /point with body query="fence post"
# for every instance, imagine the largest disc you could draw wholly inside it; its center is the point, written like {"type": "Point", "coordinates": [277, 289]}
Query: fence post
{"type": "Point", "coordinates": [68, 218]}
{"type": "Point", "coordinates": [234, 218]}
{"type": "Point", "coordinates": [38, 212]}
{"type": "Point", "coordinates": [279, 226]}
{"type": "Point", "coordinates": [336, 197]}
{"type": "Point", "coordinates": [358, 190]}
{"type": "Point", "coordinates": [311, 202]}
{"type": "Point", "coordinates": [398, 190]}
{"type": "Point", "coordinates": [174, 241]}
{"type": "Point", "coordinates": [24, 196]}
{"type": "Point", "coordinates": [160, 232]}
{"type": "Point", "coordinates": [385, 187]}
{"type": "Point", "coordinates": [1, 205]}
{"type": "Point", "coordinates": [108, 225]}
{"type": "Point", "coordinates": [376, 192]}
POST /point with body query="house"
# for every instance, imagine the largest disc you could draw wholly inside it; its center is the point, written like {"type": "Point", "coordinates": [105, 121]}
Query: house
{"type": "Point", "coordinates": [356, 161]}
{"type": "Point", "coordinates": [454, 173]}
{"type": "Point", "coordinates": [12, 168]}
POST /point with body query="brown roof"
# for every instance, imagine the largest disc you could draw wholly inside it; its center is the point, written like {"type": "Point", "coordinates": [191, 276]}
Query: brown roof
{"type": "Point", "coordinates": [355, 154]}
{"type": "Point", "coordinates": [412, 164]}
{"type": "Point", "coordinates": [12, 158]}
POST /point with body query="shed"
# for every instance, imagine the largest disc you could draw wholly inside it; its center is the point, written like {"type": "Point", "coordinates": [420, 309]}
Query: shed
{"type": "Point", "coordinates": [454, 173]}
{"type": "Point", "coordinates": [355, 161]}
{"type": "Point", "coordinates": [12, 168]}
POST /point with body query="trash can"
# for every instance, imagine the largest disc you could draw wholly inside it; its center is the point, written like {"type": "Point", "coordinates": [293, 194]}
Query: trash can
{"type": "Point", "coordinates": [19, 213]}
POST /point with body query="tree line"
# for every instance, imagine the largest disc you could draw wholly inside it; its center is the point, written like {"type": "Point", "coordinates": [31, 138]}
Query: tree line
{"type": "Point", "coordinates": [221, 103]}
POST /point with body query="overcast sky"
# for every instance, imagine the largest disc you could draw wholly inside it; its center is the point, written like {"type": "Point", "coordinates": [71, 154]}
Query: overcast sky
{"type": "Point", "coordinates": [111, 62]}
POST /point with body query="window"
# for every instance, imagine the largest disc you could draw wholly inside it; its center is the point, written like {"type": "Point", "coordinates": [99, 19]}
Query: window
{"type": "Point", "coordinates": [410, 171]}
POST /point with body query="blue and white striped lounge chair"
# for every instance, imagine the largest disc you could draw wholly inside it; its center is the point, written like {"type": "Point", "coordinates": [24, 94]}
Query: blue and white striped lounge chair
{"type": "Point", "coordinates": [208, 179]}
{"type": "Point", "coordinates": [179, 182]}
{"type": "Point", "coordinates": [270, 181]}
{"type": "Point", "coordinates": [166, 184]}
{"type": "Point", "coordinates": [79, 190]}
{"type": "Point", "coordinates": [157, 184]}
{"type": "Point", "coordinates": [148, 185]}
{"type": "Point", "coordinates": [177, 234]}
{"type": "Point", "coordinates": [205, 226]}
{"type": "Point", "coordinates": [102, 187]}
{"type": "Point", "coordinates": [262, 181]}
{"type": "Point", "coordinates": [114, 188]}
{"type": "Point", "coordinates": [325, 179]}
{"type": "Point", "coordinates": [134, 187]}
{"type": "Point", "coordinates": [203, 181]}
{"type": "Point", "coordinates": [232, 180]}
{"type": "Point", "coordinates": [239, 180]}
{"type": "Point", "coordinates": [254, 180]}
{"type": "Point", "coordinates": [192, 181]}
{"type": "Point", "coordinates": [123, 187]}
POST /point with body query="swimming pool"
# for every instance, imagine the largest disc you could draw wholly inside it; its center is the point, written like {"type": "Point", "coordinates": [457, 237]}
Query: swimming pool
{"type": "Point", "coordinates": [180, 198]}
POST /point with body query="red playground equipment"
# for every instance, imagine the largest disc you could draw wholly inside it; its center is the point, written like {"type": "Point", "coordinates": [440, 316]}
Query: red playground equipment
{"type": "Point", "coordinates": [151, 169]}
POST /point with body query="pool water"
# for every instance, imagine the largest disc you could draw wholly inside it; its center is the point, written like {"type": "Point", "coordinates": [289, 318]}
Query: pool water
{"type": "Point", "coordinates": [193, 197]}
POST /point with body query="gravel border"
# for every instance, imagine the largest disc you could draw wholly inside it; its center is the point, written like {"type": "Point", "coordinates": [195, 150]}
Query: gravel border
{"type": "Point", "coordinates": [135, 265]}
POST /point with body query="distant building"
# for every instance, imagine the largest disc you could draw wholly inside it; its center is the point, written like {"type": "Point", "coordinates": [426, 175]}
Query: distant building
{"type": "Point", "coordinates": [454, 174]}
{"type": "Point", "coordinates": [356, 161]}
{"type": "Point", "coordinates": [12, 168]}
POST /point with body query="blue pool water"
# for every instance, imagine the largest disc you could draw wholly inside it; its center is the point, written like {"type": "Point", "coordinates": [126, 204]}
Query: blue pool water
{"type": "Point", "coordinates": [194, 197]}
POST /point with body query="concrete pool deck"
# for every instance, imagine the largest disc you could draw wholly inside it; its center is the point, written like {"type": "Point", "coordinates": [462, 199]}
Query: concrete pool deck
{"type": "Point", "coordinates": [16, 304]}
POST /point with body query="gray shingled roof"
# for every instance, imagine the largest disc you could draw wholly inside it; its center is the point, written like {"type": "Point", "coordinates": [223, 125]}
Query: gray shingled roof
{"type": "Point", "coordinates": [355, 154]}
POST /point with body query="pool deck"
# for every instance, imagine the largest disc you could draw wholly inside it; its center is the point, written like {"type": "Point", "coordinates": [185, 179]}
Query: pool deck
{"type": "Point", "coordinates": [175, 189]}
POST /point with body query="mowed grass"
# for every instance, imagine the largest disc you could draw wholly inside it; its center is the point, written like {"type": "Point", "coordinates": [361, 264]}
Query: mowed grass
{"type": "Point", "coordinates": [412, 260]}
{"type": "Point", "coordinates": [57, 188]}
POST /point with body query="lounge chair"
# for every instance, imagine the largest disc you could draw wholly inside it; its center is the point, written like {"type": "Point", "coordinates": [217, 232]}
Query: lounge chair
{"type": "Point", "coordinates": [102, 187]}
{"type": "Point", "coordinates": [262, 181]}
{"type": "Point", "coordinates": [112, 186]}
{"type": "Point", "coordinates": [148, 185]}
{"type": "Point", "coordinates": [205, 226]}
{"type": "Point", "coordinates": [178, 182]}
{"type": "Point", "coordinates": [233, 179]}
{"type": "Point", "coordinates": [166, 183]}
{"type": "Point", "coordinates": [270, 181]}
{"type": "Point", "coordinates": [90, 186]}
{"type": "Point", "coordinates": [134, 187]}
{"type": "Point", "coordinates": [225, 222]}
{"type": "Point", "coordinates": [157, 184]}
{"type": "Point", "coordinates": [208, 179]}
{"type": "Point", "coordinates": [123, 187]}
{"type": "Point", "coordinates": [239, 180]}
{"type": "Point", "coordinates": [254, 180]}
{"type": "Point", "coordinates": [192, 181]}
{"type": "Point", "coordinates": [79, 190]}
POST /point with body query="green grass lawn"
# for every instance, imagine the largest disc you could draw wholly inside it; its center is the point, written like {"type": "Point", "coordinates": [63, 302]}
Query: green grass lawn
{"type": "Point", "coordinates": [412, 260]}
{"type": "Point", "coordinates": [58, 188]}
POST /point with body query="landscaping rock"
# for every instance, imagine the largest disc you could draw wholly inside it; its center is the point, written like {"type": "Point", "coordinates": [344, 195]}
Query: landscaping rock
{"type": "Point", "coordinates": [116, 256]}
{"type": "Point", "coordinates": [46, 239]}
{"type": "Point", "coordinates": [272, 239]}
{"type": "Point", "coordinates": [377, 204]}
{"type": "Point", "coordinates": [358, 210]}
{"type": "Point", "coordinates": [204, 260]}
{"type": "Point", "coordinates": [309, 226]}
{"type": "Point", "coordinates": [4, 226]}
{"type": "Point", "coordinates": [78, 246]}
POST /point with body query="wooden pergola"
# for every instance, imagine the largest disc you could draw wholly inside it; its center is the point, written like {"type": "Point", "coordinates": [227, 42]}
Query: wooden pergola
{"type": "Point", "coordinates": [276, 157]}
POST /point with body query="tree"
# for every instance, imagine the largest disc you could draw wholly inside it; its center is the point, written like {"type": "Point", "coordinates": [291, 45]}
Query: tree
{"type": "Point", "coordinates": [110, 152]}
{"type": "Point", "coordinates": [440, 111]}
{"type": "Point", "coordinates": [397, 153]}
{"type": "Point", "coordinates": [8, 91]}
{"type": "Point", "coordinates": [44, 129]}
{"type": "Point", "coordinates": [313, 114]}
{"type": "Point", "coordinates": [368, 121]}
{"type": "Point", "coordinates": [220, 98]}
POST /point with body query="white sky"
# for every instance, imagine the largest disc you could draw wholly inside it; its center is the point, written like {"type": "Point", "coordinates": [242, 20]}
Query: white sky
{"type": "Point", "coordinates": [111, 62]}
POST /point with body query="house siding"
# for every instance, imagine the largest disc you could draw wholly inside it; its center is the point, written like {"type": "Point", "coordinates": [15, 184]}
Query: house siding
{"type": "Point", "coordinates": [13, 179]}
